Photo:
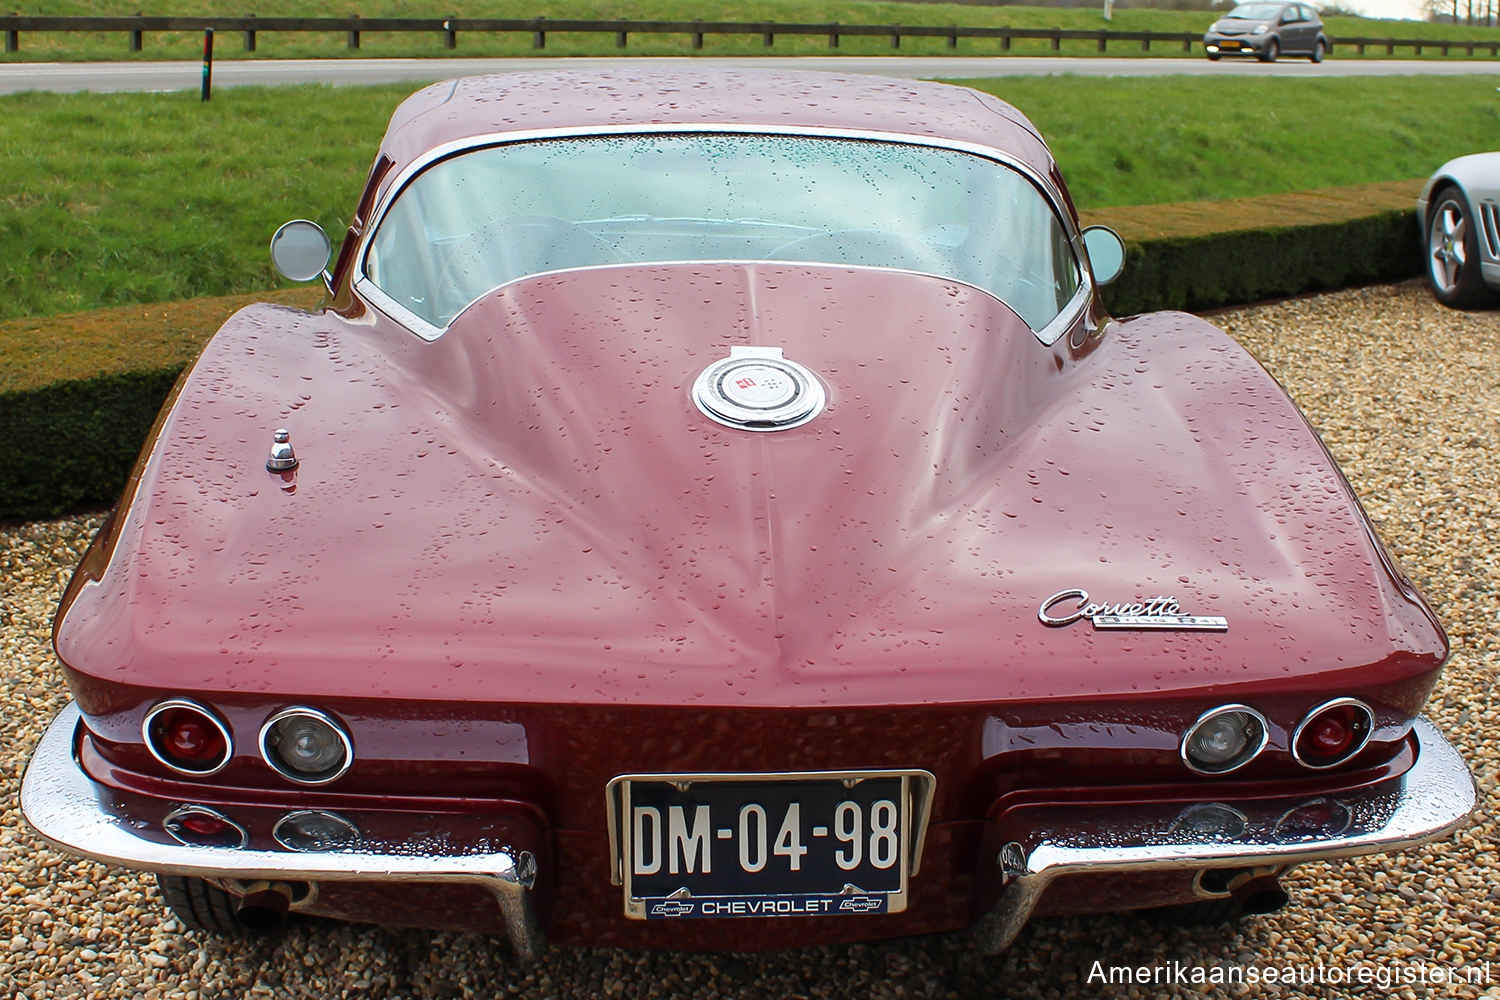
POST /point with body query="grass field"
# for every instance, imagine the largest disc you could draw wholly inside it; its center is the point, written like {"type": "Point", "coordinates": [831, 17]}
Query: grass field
{"type": "Point", "coordinates": [40, 46]}
{"type": "Point", "coordinates": [110, 199]}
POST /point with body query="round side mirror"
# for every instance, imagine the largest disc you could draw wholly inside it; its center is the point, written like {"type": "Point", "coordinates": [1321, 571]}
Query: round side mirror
{"type": "Point", "coordinates": [300, 250]}
{"type": "Point", "coordinates": [1106, 253]}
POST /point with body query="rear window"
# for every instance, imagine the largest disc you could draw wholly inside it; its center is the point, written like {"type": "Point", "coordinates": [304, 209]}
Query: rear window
{"type": "Point", "coordinates": [485, 218]}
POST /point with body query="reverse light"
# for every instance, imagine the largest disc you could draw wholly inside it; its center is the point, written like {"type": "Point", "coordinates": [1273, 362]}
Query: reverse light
{"type": "Point", "coordinates": [1224, 739]}
{"type": "Point", "coordinates": [306, 746]}
{"type": "Point", "coordinates": [1332, 733]}
{"type": "Point", "coordinates": [314, 830]}
{"type": "Point", "coordinates": [187, 737]}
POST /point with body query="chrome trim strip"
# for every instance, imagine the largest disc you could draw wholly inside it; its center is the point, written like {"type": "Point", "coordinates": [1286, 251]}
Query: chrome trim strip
{"type": "Point", "coordinates": [310, 713]}
{"type": "Point", "coordinates": [1064, 321]}
{"type": "Point", "coordinates": [373, 294]}
{"type": "Point", "coordinates": [1429, 801]}
{"type": "Point", "coordinates": [203, 710]}
{"type": "Point", "coordinates": [69, 812]}
{"type": "Point", "coordinates": [361, 282]}
{"type": "Point", "coordinates": [1071, 313]}
{"type": "Point", "coordinates": [1265, 737]}
{"type": "Point", "coordinates": [1369, 731]}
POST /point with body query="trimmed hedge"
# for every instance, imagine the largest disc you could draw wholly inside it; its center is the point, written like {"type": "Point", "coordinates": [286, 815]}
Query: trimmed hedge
{"type": "Point", "coordinates": [74, 442]}
{"type": "Point", "coordinates": [78, 394]}
{"type": "Point", "coordinates": [1203, 255]}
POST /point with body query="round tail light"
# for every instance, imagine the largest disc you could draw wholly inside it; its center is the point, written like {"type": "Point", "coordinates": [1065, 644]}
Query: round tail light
{"type": "Point", "coordinates": [187, 738]}
{"type": "Point", "coordinates": [1224, 739]}
{"type": "Point", "coordinates": [306, 746]}
{"type": "Point", "coordinates": [200, 826]}
{"type": "Point", "coordinates": [1332, 733]}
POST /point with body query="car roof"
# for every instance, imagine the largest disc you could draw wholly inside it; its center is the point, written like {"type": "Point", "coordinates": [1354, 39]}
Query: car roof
{"type": "Point", "coordinates": [469, 108]}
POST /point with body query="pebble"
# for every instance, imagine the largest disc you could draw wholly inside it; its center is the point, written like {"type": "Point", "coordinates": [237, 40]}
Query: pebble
{"type": "Point", "coordinates": [1407, 396]}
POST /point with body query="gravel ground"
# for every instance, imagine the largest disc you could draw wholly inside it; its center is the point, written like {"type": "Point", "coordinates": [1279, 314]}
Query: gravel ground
{"type": "Point", "coordinates": [1407, 395]}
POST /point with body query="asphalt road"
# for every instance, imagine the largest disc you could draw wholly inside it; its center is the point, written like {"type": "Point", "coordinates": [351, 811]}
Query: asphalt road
{"type": "Point", "coordinates": [152, 76]}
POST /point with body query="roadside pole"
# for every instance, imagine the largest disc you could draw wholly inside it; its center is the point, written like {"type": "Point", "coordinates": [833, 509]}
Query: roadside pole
{"type": "Point", "coordinates": [208, 62]}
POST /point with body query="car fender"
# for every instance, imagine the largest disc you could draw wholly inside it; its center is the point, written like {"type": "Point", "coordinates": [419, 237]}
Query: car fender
{"type": "Point", "coordinates": [1478, 176]}
{"type": "Point", "coordinates": [1475, 173]}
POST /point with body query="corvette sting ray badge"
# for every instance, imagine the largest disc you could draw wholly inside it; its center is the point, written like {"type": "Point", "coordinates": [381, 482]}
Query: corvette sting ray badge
{"type": "Point", "coordinates": [1159, 613]}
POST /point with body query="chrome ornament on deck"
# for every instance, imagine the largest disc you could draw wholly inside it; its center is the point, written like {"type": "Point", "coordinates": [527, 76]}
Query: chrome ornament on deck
{"type": "Point", "coordinates": [282, 459]}
{"type": "Point", "coordinates": [756, 389]}
{"type": "Point", "coordinates": [1162, 613]}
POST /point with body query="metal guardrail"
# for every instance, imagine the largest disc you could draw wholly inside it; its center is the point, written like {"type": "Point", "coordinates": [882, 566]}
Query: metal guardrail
{"type": "Point", "coordinates": [539, 28]}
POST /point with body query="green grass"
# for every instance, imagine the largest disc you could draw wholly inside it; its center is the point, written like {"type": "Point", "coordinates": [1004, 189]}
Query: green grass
{"type": "Point", "coordinates": [111, 199]}
{"type": "Point", "coordinates": [38, 46]}
{"type": "Point", "coordinates": [1141, 141]}
{"type": "Point", "coordinates": [108, 199]}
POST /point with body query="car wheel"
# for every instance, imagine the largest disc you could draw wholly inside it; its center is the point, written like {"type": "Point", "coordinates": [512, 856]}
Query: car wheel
{"type": "Point", "coordinates": [1271, 51]}
{"type": "Point", "coordinates": [1213, 57]}
{"type": "Point", "coordinates": [1317, 52]}
{"type": "Point", "coordinates": [1453, 252]}
{"type": "Point", "coordinates": [200, 905]}
{"type": "Point", "coordinates": [1206, 913]}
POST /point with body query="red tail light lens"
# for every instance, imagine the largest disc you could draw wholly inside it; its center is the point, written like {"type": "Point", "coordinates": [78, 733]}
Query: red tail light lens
{"type": "Point", "coordinates": [200, 826]}
{"type": "Point", "coordinates": [187, 737]}
{"type": "Point", "coordinates": [1332, 733]}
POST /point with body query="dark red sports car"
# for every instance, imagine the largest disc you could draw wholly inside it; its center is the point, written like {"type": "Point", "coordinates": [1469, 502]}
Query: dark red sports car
{"type": "Point", "coordinates": [714, 510]}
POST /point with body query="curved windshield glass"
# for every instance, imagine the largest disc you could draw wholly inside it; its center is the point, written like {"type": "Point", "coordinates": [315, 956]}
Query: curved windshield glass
{"type": "Point", "coordinates": [474, 222]}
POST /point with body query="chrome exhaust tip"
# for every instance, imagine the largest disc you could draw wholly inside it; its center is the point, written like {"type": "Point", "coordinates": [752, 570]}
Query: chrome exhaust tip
{"type": "Point", "coordinates": [1258, 894]}
{"type": "Point", "coordinates": [264, 906]}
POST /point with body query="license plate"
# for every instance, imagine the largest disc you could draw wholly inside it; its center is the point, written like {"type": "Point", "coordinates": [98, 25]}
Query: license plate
{"type": "Point", "coordinates": [823, 843]}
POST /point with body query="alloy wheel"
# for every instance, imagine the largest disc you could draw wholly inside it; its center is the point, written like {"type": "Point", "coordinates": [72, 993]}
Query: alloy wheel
{"type": "Point", "coordinates": [1445, 244]}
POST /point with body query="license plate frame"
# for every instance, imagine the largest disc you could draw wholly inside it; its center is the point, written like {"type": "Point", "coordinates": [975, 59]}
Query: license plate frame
{"type": "Point", "coordinates": [780, 898]}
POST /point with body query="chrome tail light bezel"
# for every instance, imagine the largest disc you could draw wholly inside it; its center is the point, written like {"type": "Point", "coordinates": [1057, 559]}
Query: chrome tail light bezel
{"type": "Point", "coordinates": [1354, 748]}
{"type": "Point", "coordinates": [163, 759]}
{"type": "Point", "coordinates": [281, 836]}
{"type": "Point", "coordinates": [1245, 757]}
{"type": "Point", "coordinates": [290, 774]}
{"type": "Point", "coordinates": [170, 822]}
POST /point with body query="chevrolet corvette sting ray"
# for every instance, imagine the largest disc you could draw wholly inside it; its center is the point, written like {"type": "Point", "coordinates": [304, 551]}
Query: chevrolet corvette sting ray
{"type": "Point", "coordinates": [714, 510]}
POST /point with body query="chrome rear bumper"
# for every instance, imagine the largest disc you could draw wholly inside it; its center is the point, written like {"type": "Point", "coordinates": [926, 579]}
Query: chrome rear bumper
{"type": "Point", "coordinates": [72, 813]}
{"type": "Point", "coordinates": [1043, 844]}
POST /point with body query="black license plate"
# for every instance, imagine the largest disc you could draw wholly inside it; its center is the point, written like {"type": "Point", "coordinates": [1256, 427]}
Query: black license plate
{"type": "Point", "coordinates": [749, 845]}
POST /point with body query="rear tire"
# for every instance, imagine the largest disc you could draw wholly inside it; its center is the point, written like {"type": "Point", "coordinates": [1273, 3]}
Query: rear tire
{"type": "Point", "coordinates": [1317, 52]}
{"type": "Point", "coordinates": [1452, 245]}
{"type": "Point", "coordinates": [1271, 52]}
{"type": "Point", "coordinates": [1205, 913]}
{"type": "Point", "coordinates": [200, 905]}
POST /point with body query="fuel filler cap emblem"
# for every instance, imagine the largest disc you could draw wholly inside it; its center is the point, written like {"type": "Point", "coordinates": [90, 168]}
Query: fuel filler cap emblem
{"type": "Point", "coordinates": [756, 389]}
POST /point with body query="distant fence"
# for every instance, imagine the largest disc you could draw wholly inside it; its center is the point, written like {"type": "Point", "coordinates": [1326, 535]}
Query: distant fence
{"type": "Point", "coordinates": [539, 28]}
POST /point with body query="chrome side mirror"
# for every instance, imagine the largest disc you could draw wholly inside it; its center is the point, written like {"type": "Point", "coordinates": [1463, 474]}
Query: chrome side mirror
{"type": "Point", "coordinates": [1106, 253]}
{"type": "Point", "coordinates": [300, 250]}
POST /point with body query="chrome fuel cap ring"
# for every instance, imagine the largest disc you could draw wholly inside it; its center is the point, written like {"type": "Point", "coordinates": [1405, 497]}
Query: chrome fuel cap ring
{"type": "Point", "coordinates": [756, 389]}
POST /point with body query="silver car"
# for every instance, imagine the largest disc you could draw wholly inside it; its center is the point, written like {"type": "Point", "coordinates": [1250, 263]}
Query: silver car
{"type": "Point", "coordinates": [1459, 212]}
{"type": "Point", "coordinates": [1267, 31]}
